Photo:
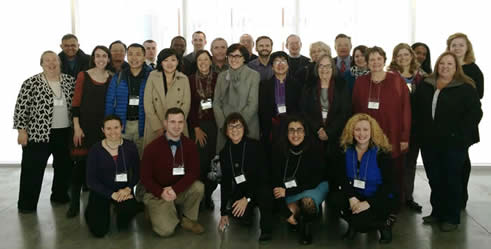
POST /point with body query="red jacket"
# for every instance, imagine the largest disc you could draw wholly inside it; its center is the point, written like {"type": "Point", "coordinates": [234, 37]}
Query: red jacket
{"type": "Point", "coordinates": [157, 164]}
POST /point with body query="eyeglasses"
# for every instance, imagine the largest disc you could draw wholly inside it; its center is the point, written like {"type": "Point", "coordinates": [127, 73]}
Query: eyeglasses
{"type": "Point", "coordinates": [236, 126]}
{"type": "Point", "coordinates": [234, 56]}
{"type": "Point", "coordinates": [328, 66]}
{"type": "Point", "coordinates": [299, 131]}
{"type": "Point", "coordinates": [278, 62]}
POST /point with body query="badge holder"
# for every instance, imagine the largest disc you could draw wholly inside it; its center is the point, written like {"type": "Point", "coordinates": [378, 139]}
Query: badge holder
{"type": "Point", "coordinates": [179, 171]}
{"type": "Point", "coordinates": [123, 177]}
{"type": "Point", "coordinates": [281, 109]}
{"type": "Point", "coordinates": [359, 184]}
{"type": "Point", "coordinates": [240, 179]}
{"type": "Point", "coordinates": [134, 100]}
{"type": "Point", "coordinates": [291, 183]}
{"type": "Point", "coordinates": [206, 104]}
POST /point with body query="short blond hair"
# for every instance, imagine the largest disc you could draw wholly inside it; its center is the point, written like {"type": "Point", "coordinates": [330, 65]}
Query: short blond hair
{"type": "Point", "coordinates": [322, 46]}
{"type": "Point", "coordinates": [377, 136]}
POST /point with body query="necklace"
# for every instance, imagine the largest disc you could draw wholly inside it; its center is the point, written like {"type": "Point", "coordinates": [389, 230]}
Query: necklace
{"type": "Point", "coordinates": [296, 153]}
{"type": "Point", "coordinates": [112, 148]}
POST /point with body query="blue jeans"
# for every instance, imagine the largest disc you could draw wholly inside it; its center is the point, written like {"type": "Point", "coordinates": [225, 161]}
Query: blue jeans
{"type": "Point", "coordinates": [444, 169]}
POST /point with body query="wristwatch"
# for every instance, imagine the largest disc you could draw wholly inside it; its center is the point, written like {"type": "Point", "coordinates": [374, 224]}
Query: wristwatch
{"type": "Point", "coordinates": [248, 200]}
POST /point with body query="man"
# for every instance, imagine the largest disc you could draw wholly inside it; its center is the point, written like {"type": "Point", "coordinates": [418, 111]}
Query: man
{"type": "Point", "coordinates": [342, 45]}
{"type": "Point", "coordinates": [125, 95]}
{"type": "Point", "coordinates": [73, 59]}
{"type": "Point", "coordinates": [247, 41]}
{"type": "Point", "coordinates": [295, 60]}
{"type": "Point", "coordinates": [219, 51]}
{"type": "Point", "coordinates": [118, 53]}
{"type": "Point", "coordinates": [150, 53]}
{"type": "Point", "coordinates": [170, 171]}
{"type": "Point", "coordinates": [199, 42]}
{"type": "Point", "coordinates": [179, 44]}
{"type": "Point", "coordinates": [264, 46]}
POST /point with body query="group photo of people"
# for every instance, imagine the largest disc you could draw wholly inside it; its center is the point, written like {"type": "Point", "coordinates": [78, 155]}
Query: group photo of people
{"type": "Point", "coordinates": [277, 138]}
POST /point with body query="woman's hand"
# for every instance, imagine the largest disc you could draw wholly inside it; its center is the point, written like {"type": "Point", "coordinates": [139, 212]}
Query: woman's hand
{"type": "Point", "coordinates": [223, 223]}
{"type": "Point", "coordinates": [322, 134]}
{"type": "Point", "coordinates": [352, 202]}
{"type": "Point", "coordinates": [117, 196]}
{"type": "Point", "coordinates": [360, 207]}
{"type": "Point", "coordinates": [22, 137]}
{"type": "Point", "coordinates": [404, 146]}
{"type": "Point", "coordinates": [200, 136]}
{"type": "Point", "coordinates": [279, 192]}
{"type": "Point", "coordinates": [239, 207]}
{"type": "Point", "coordinates": [78, 134]}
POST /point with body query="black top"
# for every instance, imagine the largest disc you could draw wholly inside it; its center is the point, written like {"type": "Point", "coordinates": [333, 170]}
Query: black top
{"type": "Point", "coordinates": [310, 173]}
{"type": "Point", "coordinates": [134, 83]}
{"type": "Point", "coordinates": [294, 64]}
{"type": "Point", "coordinates": [458, 112]}
{"type": "Point", "coordinates": [384, 161]}
{"type": "Point", "coordinates": [305, 75]}
{"type": "Point", "coordinates": [81, 63]}
{"type": "Point", "coordinates": [473, 71]}
{"type": "Point", "coordinates": [252, 168]}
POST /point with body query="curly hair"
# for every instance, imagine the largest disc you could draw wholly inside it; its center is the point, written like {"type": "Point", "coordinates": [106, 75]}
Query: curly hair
{"type": "Point", "coordinates": [377, 136]}
{"type": "Point", "coordinates": [414, 65]}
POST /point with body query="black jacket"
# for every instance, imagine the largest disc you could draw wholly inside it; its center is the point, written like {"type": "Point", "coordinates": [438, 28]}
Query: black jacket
{"type": "Point", "coordinates": [473, 71]}
{"type": "Point", "coordinates": [458, 112]}
{"type": "Point", "coordinates": [339, 111]}
{"type": "Point", "coordinates": [82, 63]}
{"type": "Point", "coordinates": [254, 172]}
{"type": "Point", "coordinates": [267, 105]}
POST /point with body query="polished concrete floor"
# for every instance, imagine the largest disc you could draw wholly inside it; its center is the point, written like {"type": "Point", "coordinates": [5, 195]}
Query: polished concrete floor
{"type": "Point", "coordinates": [48, 228]}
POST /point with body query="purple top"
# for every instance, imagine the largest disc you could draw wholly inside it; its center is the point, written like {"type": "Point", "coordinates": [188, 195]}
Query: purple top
{"type": "Point", "coordinates": [279, 93]}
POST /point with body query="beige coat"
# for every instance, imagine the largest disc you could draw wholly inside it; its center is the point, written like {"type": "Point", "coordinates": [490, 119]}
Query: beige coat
{"type": "Point", "coordinates": [156, 102]}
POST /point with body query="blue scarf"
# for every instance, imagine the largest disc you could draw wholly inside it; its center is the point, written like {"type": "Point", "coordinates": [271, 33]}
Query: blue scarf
{"type": "Point", "coordinates": [369, 171]}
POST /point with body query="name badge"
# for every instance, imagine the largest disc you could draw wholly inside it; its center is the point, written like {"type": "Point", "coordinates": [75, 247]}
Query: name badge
{"type": "Point", "coordinates": [359, 184]}
{"type": "Point", "coordinates": [58, 102]}
{"type": "Point", "coordinates": [240, 179]}
{"type": "Point", "coordinates": [134, 100]}
{"type": "Point", "coordinates": [281, 109]}
{"type": "Point", "coordinates": [373, 105]}
{"type": "Point", "coordinates": [324, 114]}
{"type": "Point", "coordinates": [291, 184]}
{"type": "Point", "coordinates": [178, 171]}
{"type": "Point", "coordinates": [206, 104]}
{"type": "Point", "coordinates": [121, 177]}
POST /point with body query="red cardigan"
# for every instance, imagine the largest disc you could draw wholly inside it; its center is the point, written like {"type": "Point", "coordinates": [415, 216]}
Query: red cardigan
{"type": "Point", "coordinates": [394, 113]}
{"type": "Point", "coordinates": [157, 163]}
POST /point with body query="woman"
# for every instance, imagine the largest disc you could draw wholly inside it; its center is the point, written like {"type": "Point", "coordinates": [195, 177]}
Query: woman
{"type": "Point", "coordinates": [360, 66]}
{"type": "Point", "coordinates": [326, 105]}
{"type": "Point", "coordinates": [243, 184]}
{"type": "Point", "coordinates": [307, 74]}
{"type": "Point", "coordinates": [404, 63]}
{"type": "Point", "coordinates": [384, 96]}
{"type": "Point", "coordinates": [88, 113]}
{"type": "Point", "coordinates": [365, 173]}
{"type": "Point", "coordinates": [299, 182]}
{"type": "Point", "coordinates": [166, 87]}
{"type": "Point", "coordinates": [42, 119]}
{"type": "Point", "coordinates": [112, 172]}
{"type": "Point", "coordinates": [461, 46]}
{"type": "Point", "coordinates": [278, 97]}
{"type": "Point", "coordinates": [423, 57]}
{"type": "Point", "coordinates": [201, 119]}
{"type": "Point", "coordinates": [448, 104]}
{"type": "Point", "coordinates": [237, 90]}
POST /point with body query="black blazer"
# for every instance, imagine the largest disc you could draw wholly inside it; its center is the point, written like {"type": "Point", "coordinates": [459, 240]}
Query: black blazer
{"type": "Point", "coordinates": [339, 111]}
{"type": "Point", "coordinates": [457, 113]}
{"type": "Point", "coordinates": [267, 104]}
{"type": "Point", "coordinates": [254, 172]}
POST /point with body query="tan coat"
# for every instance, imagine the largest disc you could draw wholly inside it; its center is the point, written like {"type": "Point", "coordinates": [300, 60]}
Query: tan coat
{"type": "Point", "coordinates": [156, 102]}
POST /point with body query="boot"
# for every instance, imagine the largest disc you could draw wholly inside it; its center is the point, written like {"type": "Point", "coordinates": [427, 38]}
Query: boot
{"type": "Point", "coordinates": [385, 235]}
{"type": "Point", "coordinates": [305, 231]}
{"type": "Point", "coordinates": [74, 208]}
{"type": "Point", "coordinates": [350, 234]}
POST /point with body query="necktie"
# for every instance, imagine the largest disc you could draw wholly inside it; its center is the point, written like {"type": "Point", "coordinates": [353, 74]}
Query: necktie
{"type": "Point", "coordinates": [343, 66]}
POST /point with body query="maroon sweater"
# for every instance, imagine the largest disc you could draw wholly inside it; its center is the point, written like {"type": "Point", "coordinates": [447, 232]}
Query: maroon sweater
{"type": "Point", "coordinates": [394, 113]}
{"type": "Point", "coordinates": [157, 164]}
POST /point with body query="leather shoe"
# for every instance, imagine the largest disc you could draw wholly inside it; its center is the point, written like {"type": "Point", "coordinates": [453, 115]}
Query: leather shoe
{"type": "Point", "coordinates": [385, 235]}
{"type": "Point", "coordinates": [411, 204]}
{"type": "Point", "coordinates": [26, 210]}
{"type": "Point", "coordinates": [192, 226]}
{"type": "Point", "coordinates": [305, 232]}
{"type": "Point", "coordinates": [430, 219]}
{"type": "Point", "coordinates": [265, 237]}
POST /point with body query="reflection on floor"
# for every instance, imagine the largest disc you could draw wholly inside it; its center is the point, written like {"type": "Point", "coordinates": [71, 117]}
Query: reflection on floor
{"type": "Point", "coordinates": [49, 228]}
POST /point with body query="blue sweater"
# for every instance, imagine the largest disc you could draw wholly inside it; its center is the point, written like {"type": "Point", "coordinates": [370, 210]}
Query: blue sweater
{"type": "Point", "coordinates": [117, 97]}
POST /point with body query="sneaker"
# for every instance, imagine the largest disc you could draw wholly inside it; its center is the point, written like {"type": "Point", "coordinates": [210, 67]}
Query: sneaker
{"type": "Point", "coordinates": [448, 227]}
{"type": "Point", "coordinates": [192, 226]}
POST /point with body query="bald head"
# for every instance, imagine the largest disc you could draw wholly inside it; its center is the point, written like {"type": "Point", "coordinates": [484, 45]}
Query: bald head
{"type": "Point", "coordinates": [247, 41]}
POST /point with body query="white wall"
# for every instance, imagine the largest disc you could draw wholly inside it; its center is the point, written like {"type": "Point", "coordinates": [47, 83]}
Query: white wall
{"type": "Point", "coordinates": [29, 27]}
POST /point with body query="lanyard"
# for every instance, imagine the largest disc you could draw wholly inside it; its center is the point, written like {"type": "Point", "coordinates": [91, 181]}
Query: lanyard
{"type": "Point", "coordinates": [232, 160]}
{"type": "Point", "coordinates": [370, 92]}
{"type": "Point", "coordinates": [286, 167]}
{"type": "Point", "coordinates": [123, 157]}
{"type": "Point", "coordinates": [366, 165]}
{"type": "Point", "coordinates": [182, 155]}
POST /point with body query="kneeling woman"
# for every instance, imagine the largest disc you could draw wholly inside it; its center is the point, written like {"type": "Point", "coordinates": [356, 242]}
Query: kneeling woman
{"type": "Point", "coordinates": [299, 174]}
{"type": "Point", "coordinates": [366, 200]}
{"type": "Point", "coordinates": [112, 172]}
{"type": "Point", "coordinates": [243, 183]}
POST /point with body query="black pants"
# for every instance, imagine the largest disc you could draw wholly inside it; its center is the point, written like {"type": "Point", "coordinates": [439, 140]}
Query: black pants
{"type": "Point", "coordinates": [264, 201]}
{"type": "Point", "coordinates": [98, 215]}
{"type": "Point", "coordinates": [466, 174]}
{"type": "Point", "coordinates": [370, 219]}
{"type": "Point", "coordinates": [78, 180]}
{"type": "Point", "coordinates": [34, 159]}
